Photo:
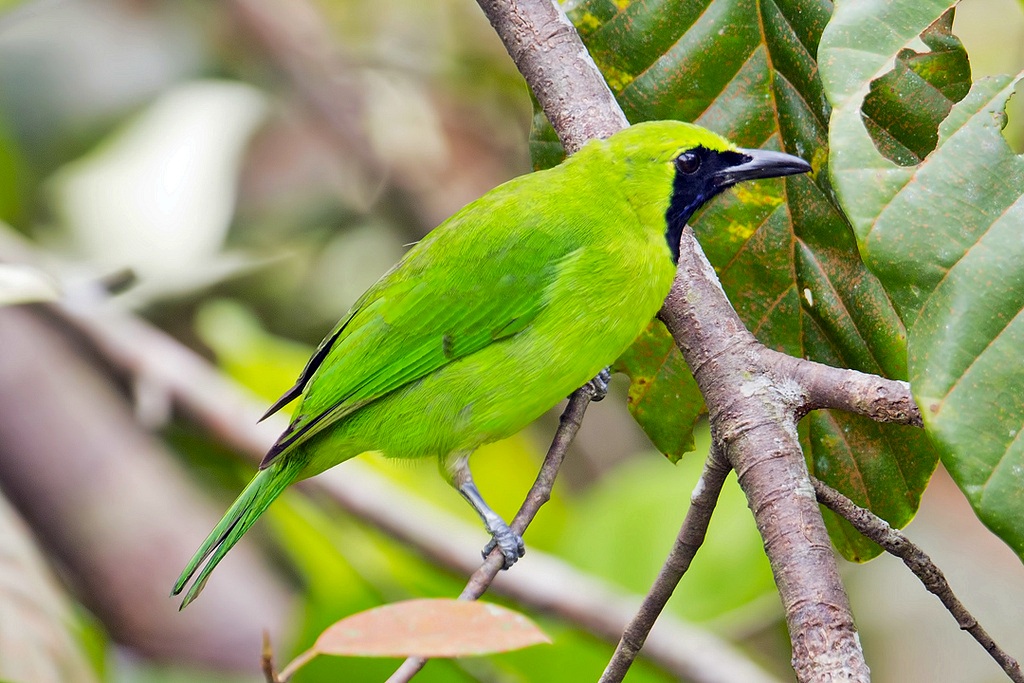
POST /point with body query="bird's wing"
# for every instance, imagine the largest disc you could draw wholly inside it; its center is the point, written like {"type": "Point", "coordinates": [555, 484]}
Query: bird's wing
{"type": "Point", "coordinates": [442, 303]}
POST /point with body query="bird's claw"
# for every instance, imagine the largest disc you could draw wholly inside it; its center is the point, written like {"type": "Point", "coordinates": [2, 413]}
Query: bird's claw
{"type": "Point", "coordinates": [509, 542]}
{"type": "Point", "coordinates": [599, 385]}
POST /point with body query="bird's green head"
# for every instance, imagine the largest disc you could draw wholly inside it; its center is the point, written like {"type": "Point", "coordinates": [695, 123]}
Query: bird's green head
{"type": "Point", "coordinates": [685, 166]}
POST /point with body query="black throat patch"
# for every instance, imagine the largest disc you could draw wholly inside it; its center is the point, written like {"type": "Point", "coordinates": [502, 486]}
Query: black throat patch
{"type": "Point", "coordinates": [691, 190]}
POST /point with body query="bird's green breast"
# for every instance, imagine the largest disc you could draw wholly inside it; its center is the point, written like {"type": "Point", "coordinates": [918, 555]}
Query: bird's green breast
{"type": "Point", "coordinates": [597, 273]}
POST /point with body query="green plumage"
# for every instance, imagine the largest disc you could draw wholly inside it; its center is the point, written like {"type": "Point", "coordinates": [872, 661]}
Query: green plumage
{"type": "Point", "coordinates": [266, 486]}
{"type": "Point", "coordinates": [500, 312]}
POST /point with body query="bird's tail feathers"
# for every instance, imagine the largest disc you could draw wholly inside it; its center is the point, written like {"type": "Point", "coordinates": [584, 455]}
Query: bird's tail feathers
{"type": "Point", "coordinates": [257, 496]}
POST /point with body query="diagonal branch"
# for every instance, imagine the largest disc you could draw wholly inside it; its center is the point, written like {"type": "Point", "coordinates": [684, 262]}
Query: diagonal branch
{"type": "Point", "coordinates": [691, 536]}
{"type": "Point", "coordinates": [896, 543]}
{"type": "Point", "coordinates": [561, 73]}
{"type": "Point", "coordinates": [542, 582]}
{"type": "Point", "coordinates": [753, 414]}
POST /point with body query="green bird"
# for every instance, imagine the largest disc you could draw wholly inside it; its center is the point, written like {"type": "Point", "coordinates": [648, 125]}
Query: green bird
{"type": "Point", "coordinates": [508, 306]}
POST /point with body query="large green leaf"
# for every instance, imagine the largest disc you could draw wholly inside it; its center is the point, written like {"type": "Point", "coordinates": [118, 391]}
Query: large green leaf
{"type": "Point", "coordinates": [658, 378]}
{"type": "Point", "coordinates": [945, 239]}
{"type": "Point", "coordinates": [906, 130]}
{"type": "Point", "coordinates": [783, 250]}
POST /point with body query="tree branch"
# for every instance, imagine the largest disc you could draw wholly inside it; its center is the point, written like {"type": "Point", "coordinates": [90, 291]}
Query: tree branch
{"type": "Point", "coordinates": [295, 38]}
{"type": "Point", "coordinates": [753, 419]}
{"type": "Point", "coordinates": [823, 386]}
{"type": "Point", "coordinates": [896, 543]}
{"type": "Point", "coordinates": [546, 49]}
{"type": "Point", "coordinates": [539, 581]}
{"type": "Point", "coordinates": [109, 502]}
{"type": "Point", "coordinates": [691, 536]}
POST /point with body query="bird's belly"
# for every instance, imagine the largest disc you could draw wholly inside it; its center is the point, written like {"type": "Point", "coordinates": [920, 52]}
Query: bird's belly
{"type": "Point", "coordinates": [493, 393]}
{"type": "Point", "coordinates": [497, 391]}
{"type": "Point", "coordinates": [482, 398]}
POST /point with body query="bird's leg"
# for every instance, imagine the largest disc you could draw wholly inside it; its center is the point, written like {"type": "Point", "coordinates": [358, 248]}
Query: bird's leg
{"type": "Point", "coordinates": [599, 385]}
{"type": "Point", "coordinates": [456, 468]}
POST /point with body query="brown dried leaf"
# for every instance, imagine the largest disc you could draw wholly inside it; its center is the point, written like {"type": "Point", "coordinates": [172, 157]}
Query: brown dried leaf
{"type": "Point", "coordinates": [438, 627]}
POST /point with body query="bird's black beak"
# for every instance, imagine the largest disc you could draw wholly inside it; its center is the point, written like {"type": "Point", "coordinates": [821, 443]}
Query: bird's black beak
{"type": "Point", "coordinates": [759, 163]}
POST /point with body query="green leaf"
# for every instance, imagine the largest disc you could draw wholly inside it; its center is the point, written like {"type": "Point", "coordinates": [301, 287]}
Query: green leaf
{"type": "Point", "coordinates": [862, 458]}
{"type": "Point", "coordinates": [906, 130]}
{"type": "Point", "coordinates": [545, 149]}
{"type": "Point", "coordinates": [944, 238]}
{"type": "Point", "coordinates": [783, 250]}
{"type": "Point", "coordinates": [658, 377]}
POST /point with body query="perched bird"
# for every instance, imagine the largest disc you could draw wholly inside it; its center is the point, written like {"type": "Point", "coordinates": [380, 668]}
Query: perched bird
{"type": "Point", "coordinates": [508, 306]}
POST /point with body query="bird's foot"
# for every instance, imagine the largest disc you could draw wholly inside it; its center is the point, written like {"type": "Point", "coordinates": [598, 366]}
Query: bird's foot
{"type": "Point", "coordinates": [599, 385]}
{"type": "Point", "coordinates": [509, 542]}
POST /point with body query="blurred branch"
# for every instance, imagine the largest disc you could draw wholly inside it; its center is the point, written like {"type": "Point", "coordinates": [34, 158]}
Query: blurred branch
{"type": "Point", "coordinates": [231, 416]}
{"type": "Point", "coordinates": [36, 620]}
{"type": "Point", "coordinates": [297, 38]}
{"type": "Point", "coordinates": [896, 543]}
{"type": "Point", "coordinates": [107, 500]}
{"type": "Point", "coordinates": [267, 661]}
{"type": "Point", "coordinates": [539, 581]}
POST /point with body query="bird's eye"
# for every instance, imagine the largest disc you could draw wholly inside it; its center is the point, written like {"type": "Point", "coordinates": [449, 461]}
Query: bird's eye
{"type": "Point", "coordinates": [688, 163]}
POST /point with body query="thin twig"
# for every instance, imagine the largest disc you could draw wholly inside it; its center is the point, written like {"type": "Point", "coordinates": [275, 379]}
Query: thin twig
{"type": "Point", "coordinates": [540, 493]}
{"type": "Point", "coordinates": [691, 536]}
{"type": "Point", "coordinates": [896, 543]}
{"type": "Point", "coordinates": [292, 667]}
{"type": "Point", "coordinates": [823, 386]}
{"type": "Point", "coordinates": [267, 660]}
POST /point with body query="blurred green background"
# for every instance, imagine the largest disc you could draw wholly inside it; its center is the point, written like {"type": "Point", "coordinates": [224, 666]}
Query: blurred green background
{"type": "Point", "coordinates": [254, 166]}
